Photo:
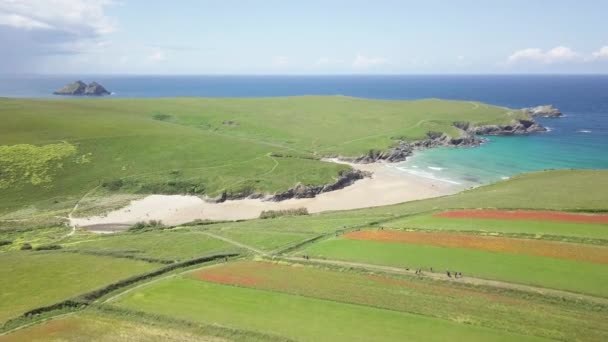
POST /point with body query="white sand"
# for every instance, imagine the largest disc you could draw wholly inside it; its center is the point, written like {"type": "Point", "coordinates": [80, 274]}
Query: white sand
{"type": "Point", "coordinates": [387, 186]}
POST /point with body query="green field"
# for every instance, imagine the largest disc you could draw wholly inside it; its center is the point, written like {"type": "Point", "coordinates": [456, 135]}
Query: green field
{"type": "Point", "coordinates": [535, 270]}
{"type": "Point", "coordinates": [533, 228]}
{"type": "Point", "coordinates": [500, 310]}
{"type": "Point", "coordinates": [169, 246]}
{"type": "Point", "coordinates": [99, 327]}
{"type": "Point", "coordinates": [33, 279]}
{"type": "Point", "coordinates": [296, 317]}
{"type": "Point", "coordinates": [201, 146]}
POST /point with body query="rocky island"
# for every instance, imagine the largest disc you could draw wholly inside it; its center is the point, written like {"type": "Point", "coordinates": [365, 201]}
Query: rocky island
{"type": "Point", "coordinates": [80, 88]}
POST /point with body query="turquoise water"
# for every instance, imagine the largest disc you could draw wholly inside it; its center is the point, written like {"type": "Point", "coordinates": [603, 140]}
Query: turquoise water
{"type": "Point", "coordinates": [502, 157]}
{"type": "Point", "coordinates": [579, 140]}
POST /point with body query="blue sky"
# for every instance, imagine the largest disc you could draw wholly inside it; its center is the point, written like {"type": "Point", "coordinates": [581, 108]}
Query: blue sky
{"type": "Point", "coordinates": [303, 37]}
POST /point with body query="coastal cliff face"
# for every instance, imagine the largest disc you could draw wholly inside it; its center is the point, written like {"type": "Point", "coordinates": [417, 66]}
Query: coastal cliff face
{"type": "Point", "coordinates": [80, 88]}
{"type": "Point", "coordinates": [345, 179]}
{"type": "Point", "coordinates": [308, 191]}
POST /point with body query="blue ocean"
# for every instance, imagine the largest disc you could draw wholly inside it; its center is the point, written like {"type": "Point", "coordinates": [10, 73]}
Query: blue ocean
{"type": "Point", "coordinates": [578, 140]}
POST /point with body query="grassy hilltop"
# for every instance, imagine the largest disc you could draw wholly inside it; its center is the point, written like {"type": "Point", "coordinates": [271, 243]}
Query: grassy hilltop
{"type": "Point", "coordinates": [53, 151]}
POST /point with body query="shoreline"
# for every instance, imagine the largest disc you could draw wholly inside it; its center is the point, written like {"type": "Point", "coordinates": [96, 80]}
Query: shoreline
{"type": "Point", "coordinates": [386, 186]}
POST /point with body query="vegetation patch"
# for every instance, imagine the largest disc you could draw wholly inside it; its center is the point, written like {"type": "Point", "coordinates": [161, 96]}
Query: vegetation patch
{"type": "Point", "coordinates": [29, 164]}
{"type": "Point", "coordinates": [270, 214]}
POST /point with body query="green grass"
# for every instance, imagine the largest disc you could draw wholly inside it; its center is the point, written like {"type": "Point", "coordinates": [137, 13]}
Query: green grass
{"type": "Point", "coordinates": [169, 245]}
{"type": "Point", "coordinates": [526, 269]}
{"type": "Point", "coordinates": [33, 279]}
{"type": "Point", "coordinates": [265, 240]}
{"type": "Point", "coordinates": [492, 308]}
{"type": "Point", "coordinates": [296, 317]}
{"type": "Point", "coordinates": [90, 326]}
{"type": "Point", "coordinates": [539, 228]}
{"type": "Point", "coordinates": [191, 150]}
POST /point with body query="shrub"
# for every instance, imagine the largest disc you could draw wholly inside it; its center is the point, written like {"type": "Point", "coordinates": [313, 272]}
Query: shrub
{"type": "Point", "coordinates": [47, 247]}
{"type": "Point", "coordinates": [26, 247]}
{"type": "Point", "coordinates": [141, 225]}
{"type": "Point", "coordinates": [161, 117]}
{"type": "Point", "coordinates": [269, 214]}
{"type": "Point", "coordinates": [113, 185]}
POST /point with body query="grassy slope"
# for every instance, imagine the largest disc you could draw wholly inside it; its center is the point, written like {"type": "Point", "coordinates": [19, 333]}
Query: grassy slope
{"type": "Point", "coordinates": [193, 148]}
{"type": "Point", "coordinates": [33, 279]}
{"type": "Point", "coordinates": [309, 319]}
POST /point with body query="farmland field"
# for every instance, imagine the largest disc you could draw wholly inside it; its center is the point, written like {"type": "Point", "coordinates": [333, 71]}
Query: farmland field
{"type": "Point", "coordinates": [483, 307]}
{"type": "Point", "coordinates": [533, 228]}
{"type": "Point", "coordinates": [171, 246]}
{"type": "Point", "coordinates": [95, 327]}
{"type": "Point", "coordinates": [324, 320]}
{"type": "Point", "coordinates": [519, 268]}
{"type": "Point", "coordinates": [33, 279]}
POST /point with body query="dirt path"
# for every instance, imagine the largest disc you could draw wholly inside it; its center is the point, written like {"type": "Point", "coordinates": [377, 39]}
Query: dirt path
{"type": "Point", "coordinates": [465, 279]}
{"type": "Point", "coordinates": [74, 226]}
{"type": "Point", "coordinates": [236, 243]}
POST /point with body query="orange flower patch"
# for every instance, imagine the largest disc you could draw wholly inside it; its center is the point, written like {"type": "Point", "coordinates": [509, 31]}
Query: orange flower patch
{"type": "Point", "coordinates": [225, 275]}
{"type": "Point", "coordinates": [559, 250]}
{"type": "Point", "coordinates": [525, 215]}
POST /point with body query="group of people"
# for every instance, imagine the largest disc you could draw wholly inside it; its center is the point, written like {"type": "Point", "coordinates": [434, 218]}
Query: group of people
{"type": "Point", "coordinates": [448, 273]}
{"type": "Point", "coordinates": [456, 274]}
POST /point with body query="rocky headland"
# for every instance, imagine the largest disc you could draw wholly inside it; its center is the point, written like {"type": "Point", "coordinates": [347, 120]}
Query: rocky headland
{"type": "Point", "coordinates": [80, 88]}
{"type": "Point", "coordinates": [470, 136]}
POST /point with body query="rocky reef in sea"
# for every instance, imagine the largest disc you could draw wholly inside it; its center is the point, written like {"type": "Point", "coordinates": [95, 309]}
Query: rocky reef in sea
{"type": "Point", "coordinates": [80, 88]}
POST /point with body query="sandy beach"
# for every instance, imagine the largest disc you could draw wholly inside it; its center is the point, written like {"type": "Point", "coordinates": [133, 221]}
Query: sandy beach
{"type": "Point", "coordinates": [386, 186]}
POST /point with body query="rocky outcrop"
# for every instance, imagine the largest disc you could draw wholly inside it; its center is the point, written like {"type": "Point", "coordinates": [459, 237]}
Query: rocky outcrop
{"type": "Point", "coordinates": [546, 111]}
{"type": "Point", "coordinates": [517, 127]}
{"type": "Point", "coordinates": [469, 137]}
{"type": "Point", "coordinates": [80, 88]}
{"type": "Point", "coordinates": [95, 89]}
{"type": "Point", "coordinates": [76, 88]}
{"type": "Point", "coordinates": [404, 149]}
{"type": "Point", "coordinates": [345, 179]}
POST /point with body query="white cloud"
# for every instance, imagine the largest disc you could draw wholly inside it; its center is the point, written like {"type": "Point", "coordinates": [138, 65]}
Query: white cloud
{"type": "Point", "coordinates": [363, 62]}
{"type": "Point", "coordinates": [559, 54]}
{"type": "Point", "coordinates": [78, 17]}
{"type": "Point", "coordinates": [602, 53]}
{"type": "Point", "coordinates": [35, 29]}
{"type": "Point", "coordinates": [157, 56]}
{"type": "Point", "coordinates": [280, 61]}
